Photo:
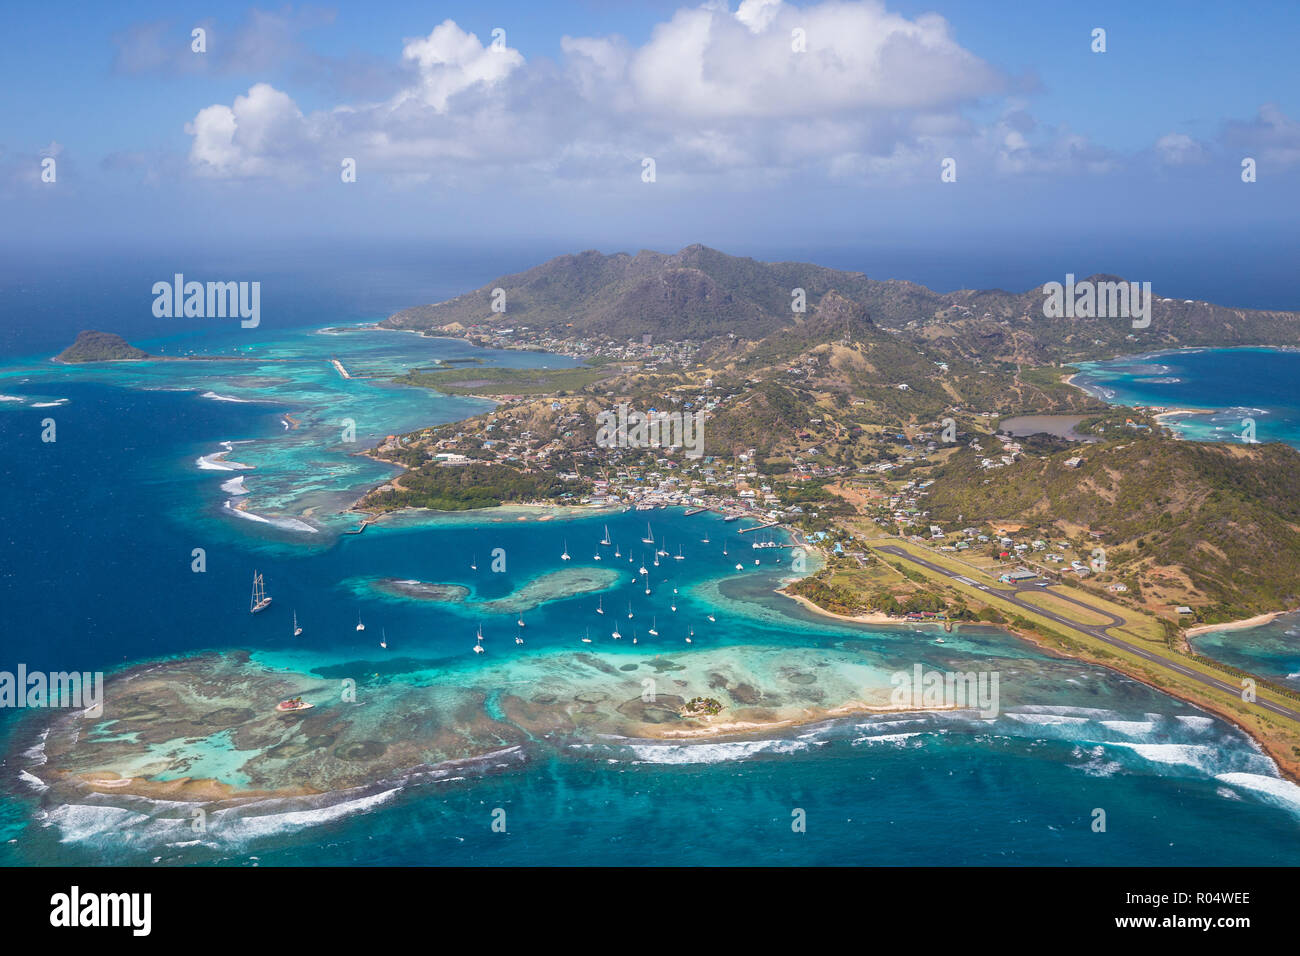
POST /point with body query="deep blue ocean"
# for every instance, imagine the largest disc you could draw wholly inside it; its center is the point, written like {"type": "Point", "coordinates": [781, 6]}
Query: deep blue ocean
{"type": "Point", "coordinates": [95, 573]}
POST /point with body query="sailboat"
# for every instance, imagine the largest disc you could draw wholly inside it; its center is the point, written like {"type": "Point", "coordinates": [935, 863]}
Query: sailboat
{"type": "Point", "coordinates": [649, 535]}
{"type": "Point", "coordinates": [724, 549]}
{"type": "Point", "coordinates": [740, 567]}
{"type": "Point", "coordinates": [692, 634]}
{"type": "Point", "coordinates": [756, 560]}
{"type": "Point", "coordinates": [634, 635]}
{"type": "Point", "coordinates": [383, 642]}
{"type": "Point", "coordinates": [600, 606]}
{"type": "Point", "coordinates": [360, 626]}
{"type": "Point", "coordinates": [605, 540]}
{"type": "Point", "coordinates": [653, 622]}
{"type": "Point", "coordinates": [296, 629]}
{"type": "Point", "coordinates": [473, 563]}
{"type": "Point", "coordinates": [596, 556]}
{"type": "Point", "coordinates": [565, 555]}
{"type": "Point", "coordinates": [712, 618]}
{"type": "Point", "coordinates": [616, 635]}
{"type": "Point", "coordinates": [674, 608]}
{"type": "Point", "coordinates": [704, 540]}
{"type": "Point", "coordinates": [519, 638]}
{"type": "Point", "coordinates": [629, 608]}
{"type": "Point", "coordinates": [679, 556]}
{"type": "Point", "coordinates": [259, 601]}
{"type": "Point", "coordinates": [656, 559]}
{"type": "Point", "coordinates": [478, 645]}
{"type": "Point", "coordinates": [643, 570]}
{"type": "Point", "coordinates": [587, 639]}
{"type": "Point", "coordinates": [616, 554]}
{"type": "Point", "coordinates": [521, 620]}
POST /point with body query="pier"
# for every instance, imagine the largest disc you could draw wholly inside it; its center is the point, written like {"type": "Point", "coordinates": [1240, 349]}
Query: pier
{"type": "Point", "coordinates": [759, 527]}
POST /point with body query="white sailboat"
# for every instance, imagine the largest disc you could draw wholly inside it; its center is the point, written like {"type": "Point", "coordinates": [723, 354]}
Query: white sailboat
{"type": "Point", "coordinates": [478, 643]}
{"type": "Point", "coordinates": [689, 636]}
{"type": "Point", "coordinates": [629, 608]}
{"type": "Point", "coordinates": [519, 638]}
{"type": "Point", "coordinates": [679, 556]}
{"type": "Point", "coordinates": [296, 629]}
{"type": "Point", "coordinates": [649, 535]}
{"type": "Point", "coordinates": [616, 554]}
{"type": "Point", "coordinates": [653, 622]}
{"type": "Point", "coordinates": [587, 639]}
{"type": "Point", "coordinates": [259, 601]}
{"type": "Point", "coordinates": [605, 540]}
{"type": "Point", "coordinates": [643, 570]}
{"type": "Point", "coordinates": [616, 635]}
{"type": "Point", "coordinates": [473, 563]}
{"type": "Point", "coordinates": [565, 555]}
{"type": "Point", "coordinates": [712, 618]}
{"type": "Point", "coordinates": [724, 549]}
{"type": "Point", "coordinates": [521, 620]}
{"type": "Point", "coordinates": [740, 567]}
{"type": "Point", "coordinates": [674, 608]}
{"type": "Point", "coordinates": [360, 626]}
{"type": "Point", "coordinates": [600, 605]}
{"type": "Point", "coordinates": [383, 641]}
{"type": "Point", "coordinates": [634, 635]}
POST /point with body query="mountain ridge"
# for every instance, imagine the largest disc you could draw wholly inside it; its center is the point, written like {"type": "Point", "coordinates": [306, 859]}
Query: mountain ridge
{"type": "Point", "coordinates": [702, 294]}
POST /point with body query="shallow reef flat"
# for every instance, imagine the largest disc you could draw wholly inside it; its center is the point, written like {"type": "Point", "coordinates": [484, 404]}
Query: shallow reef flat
{"type": "Point", "coordinates": [204, 728]}
{"type": "Point", "coordinates": [552, 586]}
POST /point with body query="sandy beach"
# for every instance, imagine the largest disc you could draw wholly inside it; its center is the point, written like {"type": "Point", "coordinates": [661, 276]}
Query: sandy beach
{"type": "Point", "coordinates": [1244, 623]}
{"type": "Point", "coordinates": [871, 617]}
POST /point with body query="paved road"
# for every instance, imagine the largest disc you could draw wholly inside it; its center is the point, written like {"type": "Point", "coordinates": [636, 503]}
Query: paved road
{"type": "Point", "coordinates": [1095, 630]}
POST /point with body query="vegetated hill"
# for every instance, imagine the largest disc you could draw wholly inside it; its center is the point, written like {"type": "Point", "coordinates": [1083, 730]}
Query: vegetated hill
{"type": "Point", "coordinates": [697, 293]}
{"type": "Point", "coordinates": [1217, 522]}
{"type": "Point", "coordinates": [700, 293]}
{"type": "Point", "coordinates": [1012, 327]}
{"type": "Point", "coordinates": [93, 346]}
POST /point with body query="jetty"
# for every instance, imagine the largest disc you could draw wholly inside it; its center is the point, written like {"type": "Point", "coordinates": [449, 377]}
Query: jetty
{"type": "Point", "coordinates": [759, 527]}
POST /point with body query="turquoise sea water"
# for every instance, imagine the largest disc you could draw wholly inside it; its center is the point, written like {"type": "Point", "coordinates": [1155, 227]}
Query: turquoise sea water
{"type": "Point", "coordinates": [96, 573]}
{"type": "Point", "coordinates": [1220, 390]}
{"type": "Point", "coordinates": [1271, 649]}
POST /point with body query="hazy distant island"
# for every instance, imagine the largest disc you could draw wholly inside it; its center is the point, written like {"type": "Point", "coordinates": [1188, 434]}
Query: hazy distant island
{"type": "Point", "coordinates": [92, 346]}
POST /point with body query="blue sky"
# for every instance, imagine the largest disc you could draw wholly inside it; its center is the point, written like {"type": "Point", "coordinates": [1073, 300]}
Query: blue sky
{"type": "Point", "coordinates": [756, 146]}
